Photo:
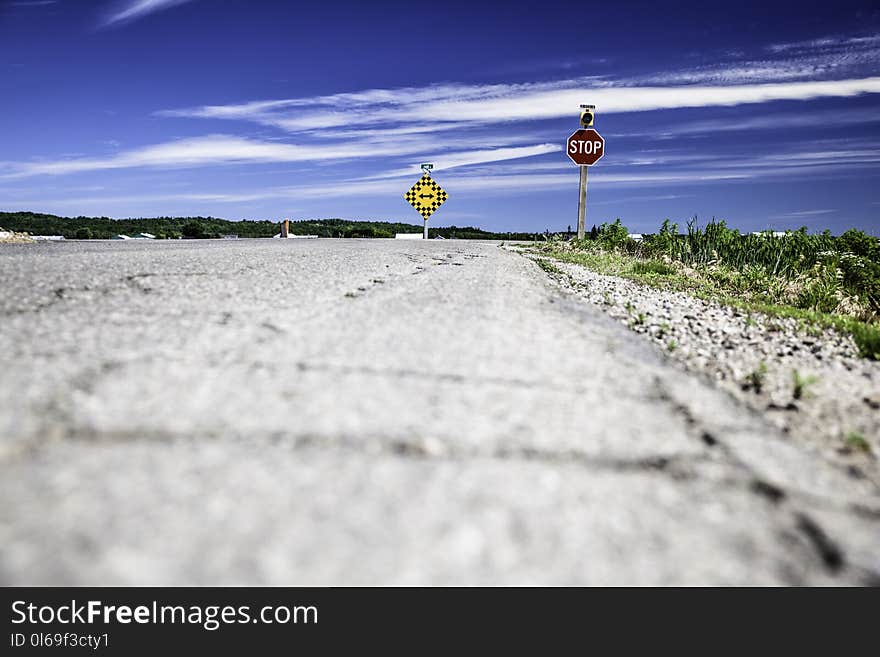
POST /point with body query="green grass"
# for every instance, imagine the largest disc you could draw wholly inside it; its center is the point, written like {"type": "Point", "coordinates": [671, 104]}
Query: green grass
{"type": "Point", "coordinates": [802, 384]}
{"type": "Point", "coordinates": [651, 267]}
{"type": "Point", "coordinates": [857, 442]}
{"type": "Point", "coordinates": [548, 266]}
{"type": "Point", "coordinates": [715, 288]}
{"type": "Point", "coordinates": [867, 337]}
{"type": "Point", "coordinates": [755, 379]}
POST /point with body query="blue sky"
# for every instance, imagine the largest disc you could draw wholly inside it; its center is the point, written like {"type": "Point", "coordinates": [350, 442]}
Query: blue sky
{"type": "Point", "coordinates": [766, 114]}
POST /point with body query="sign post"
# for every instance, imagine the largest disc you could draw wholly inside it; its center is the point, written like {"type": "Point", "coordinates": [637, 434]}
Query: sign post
{"type": "Point", "coordinates": [426, 196]}
{"type": "Point", "coordinates": [585, 147]}
{"type": "Point", "coordinates": [582, 202]}
{"type": "Point", "coordinates": [426, 167]}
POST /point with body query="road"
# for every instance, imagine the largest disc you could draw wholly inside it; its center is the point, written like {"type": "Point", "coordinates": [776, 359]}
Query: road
{"type": "Point", "coordinates": [379, 412]}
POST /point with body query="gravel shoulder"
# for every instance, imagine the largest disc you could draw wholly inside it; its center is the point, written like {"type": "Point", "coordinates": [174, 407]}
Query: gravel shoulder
{"type": "Point", "coordinates": [836, 410]}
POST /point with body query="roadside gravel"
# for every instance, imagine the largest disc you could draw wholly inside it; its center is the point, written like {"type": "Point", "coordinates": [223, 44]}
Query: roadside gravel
{"type": "Point", "coordinates": [838, 403]}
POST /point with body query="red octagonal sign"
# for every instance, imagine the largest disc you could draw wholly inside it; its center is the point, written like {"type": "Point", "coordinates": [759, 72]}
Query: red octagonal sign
{"type": "Point", "coordinates": [585, 147]}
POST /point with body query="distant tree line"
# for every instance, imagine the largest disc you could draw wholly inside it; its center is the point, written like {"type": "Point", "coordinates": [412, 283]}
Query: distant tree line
{"type": "Point", "coordinates": [211, 227]}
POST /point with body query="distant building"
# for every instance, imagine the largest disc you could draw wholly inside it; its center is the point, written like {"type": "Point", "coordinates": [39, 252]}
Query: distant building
{"type": "Point", "coordinates": [408, 236]}
{"type": "Point", "coordinates": [774, 233]}
{"type": "Point", "coordinates": [47, 238]}
{"type": "Point", "coordinates": [230, 236]}
{"type": "Point", "coordinates": [120, 237]}
{"type": "Point", "coordinates": [636, 237]}
{"type": "Point", "coordinates": [144, 236]}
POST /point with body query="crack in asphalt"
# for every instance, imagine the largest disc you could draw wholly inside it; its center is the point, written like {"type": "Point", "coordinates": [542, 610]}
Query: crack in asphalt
{"type": "Point", "coordinates": [450, 377]}
{"type": "Point", "coordinates": [792, 518]}
{"type": "Point", "coordinates": [682, 467]}
{"type": "Point", "coordinates": [60, 294]}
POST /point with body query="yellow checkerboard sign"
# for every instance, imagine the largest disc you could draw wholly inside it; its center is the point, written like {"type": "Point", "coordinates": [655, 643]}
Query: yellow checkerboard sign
{"type": "Point", "coordinates": [426, 196]}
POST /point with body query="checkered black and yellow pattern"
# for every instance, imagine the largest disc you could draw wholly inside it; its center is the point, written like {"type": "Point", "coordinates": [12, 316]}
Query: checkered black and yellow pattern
{"type": "Point", "coordinates": [426, 196]}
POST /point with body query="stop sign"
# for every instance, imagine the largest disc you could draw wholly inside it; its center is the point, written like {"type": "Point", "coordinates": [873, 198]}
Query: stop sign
{"type": "Point", "coordinates": [585, 147]}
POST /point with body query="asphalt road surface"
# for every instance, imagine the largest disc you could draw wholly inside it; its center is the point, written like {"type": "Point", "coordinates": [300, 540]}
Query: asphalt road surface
{"type": "Point", "coordinates": [379, 412]}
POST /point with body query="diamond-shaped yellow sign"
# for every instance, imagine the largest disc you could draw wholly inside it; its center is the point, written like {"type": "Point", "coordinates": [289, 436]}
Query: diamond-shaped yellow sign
{"type": "Point", "coordinates": [426, 196]}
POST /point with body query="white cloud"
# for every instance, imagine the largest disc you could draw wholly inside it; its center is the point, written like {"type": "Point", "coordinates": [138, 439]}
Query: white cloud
{"type": "Point", "coordinates": [559, 104]}
{"type": "Point", "coordinates": [832, 57]}
{"type": "Point", "coordinates": [802, 213]}
{"type": "Point", "coordinates": [458, 185]}
{"type": "Point", "coordinates": [516, 178]}
{"type": "Point", "coordinates": [777, 121]}
{"type": "Point", "coordinates": [445, 162]}
{"type": "Point", "coordinates": [135, 9]}
{"type": "Point", "coordinates": [452, 124]}
{"type": "Point", "coordinates": [822, 68]}
{"type": "Point", "coordinates": [652, 197]}
{"type": "Point", "coordinates": [207, 150]}
{"type": "Point", "coordinates": [227, 149]}
{"type": "Point", "coordinates": [826, 43]}
{"type": "Point", "coordinates": [327, 115]}
{"type": "Point", "coordinates": [496, 104]}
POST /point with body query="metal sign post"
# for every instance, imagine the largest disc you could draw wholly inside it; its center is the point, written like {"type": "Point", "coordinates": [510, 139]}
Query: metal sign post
{"type": "Point", "coordinates": [426, 196]}
{"type": "Point", "coordinates": [582, 202]}
{"type": "Point", "coordinates": [585, 147]}
{"type": "Point", "coordinates": [426, 167]}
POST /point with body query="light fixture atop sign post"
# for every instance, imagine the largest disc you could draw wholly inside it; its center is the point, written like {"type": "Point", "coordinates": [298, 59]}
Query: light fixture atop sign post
{"type": "Point", "coordinates": [587, 115]}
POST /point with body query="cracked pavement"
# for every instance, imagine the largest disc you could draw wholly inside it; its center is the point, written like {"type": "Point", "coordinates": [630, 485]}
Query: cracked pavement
{"type": "Point", "coordinates": [379, 412]}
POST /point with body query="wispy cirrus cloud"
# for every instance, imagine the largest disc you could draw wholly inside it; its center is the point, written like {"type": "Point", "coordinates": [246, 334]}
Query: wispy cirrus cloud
{"type": "Point", "coordinates": [496, 104]}
{"type": "Point", "coordinates": [457, 160]}
{"type": "Point", "coordinates": [839, 118]}
{"type": "Point", "coordinates": [196, 151]}
{"type": "Point", "coordinates": [386, 112]}
{"type": "Point", "coordinates": [394, 123]}
{"type": "Point", "coordinates": [501, 177]}
{"type": "Point", "coordinates": [833, 67]}
{"type": "Point", "coordinates": [475, 183]}
{"type": "Point", "coordinates": [828, 43]}
{"type": "Point", "coordinates": [228, 149]}
{"type": "Point", "coordinates": [457, 125]}
{"type": "Point", "coordinates": [830, 57]}
{"type": "Point", "coordinates": [797, 214]}
{"type": "Point", "coordinates": [132, 10]}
